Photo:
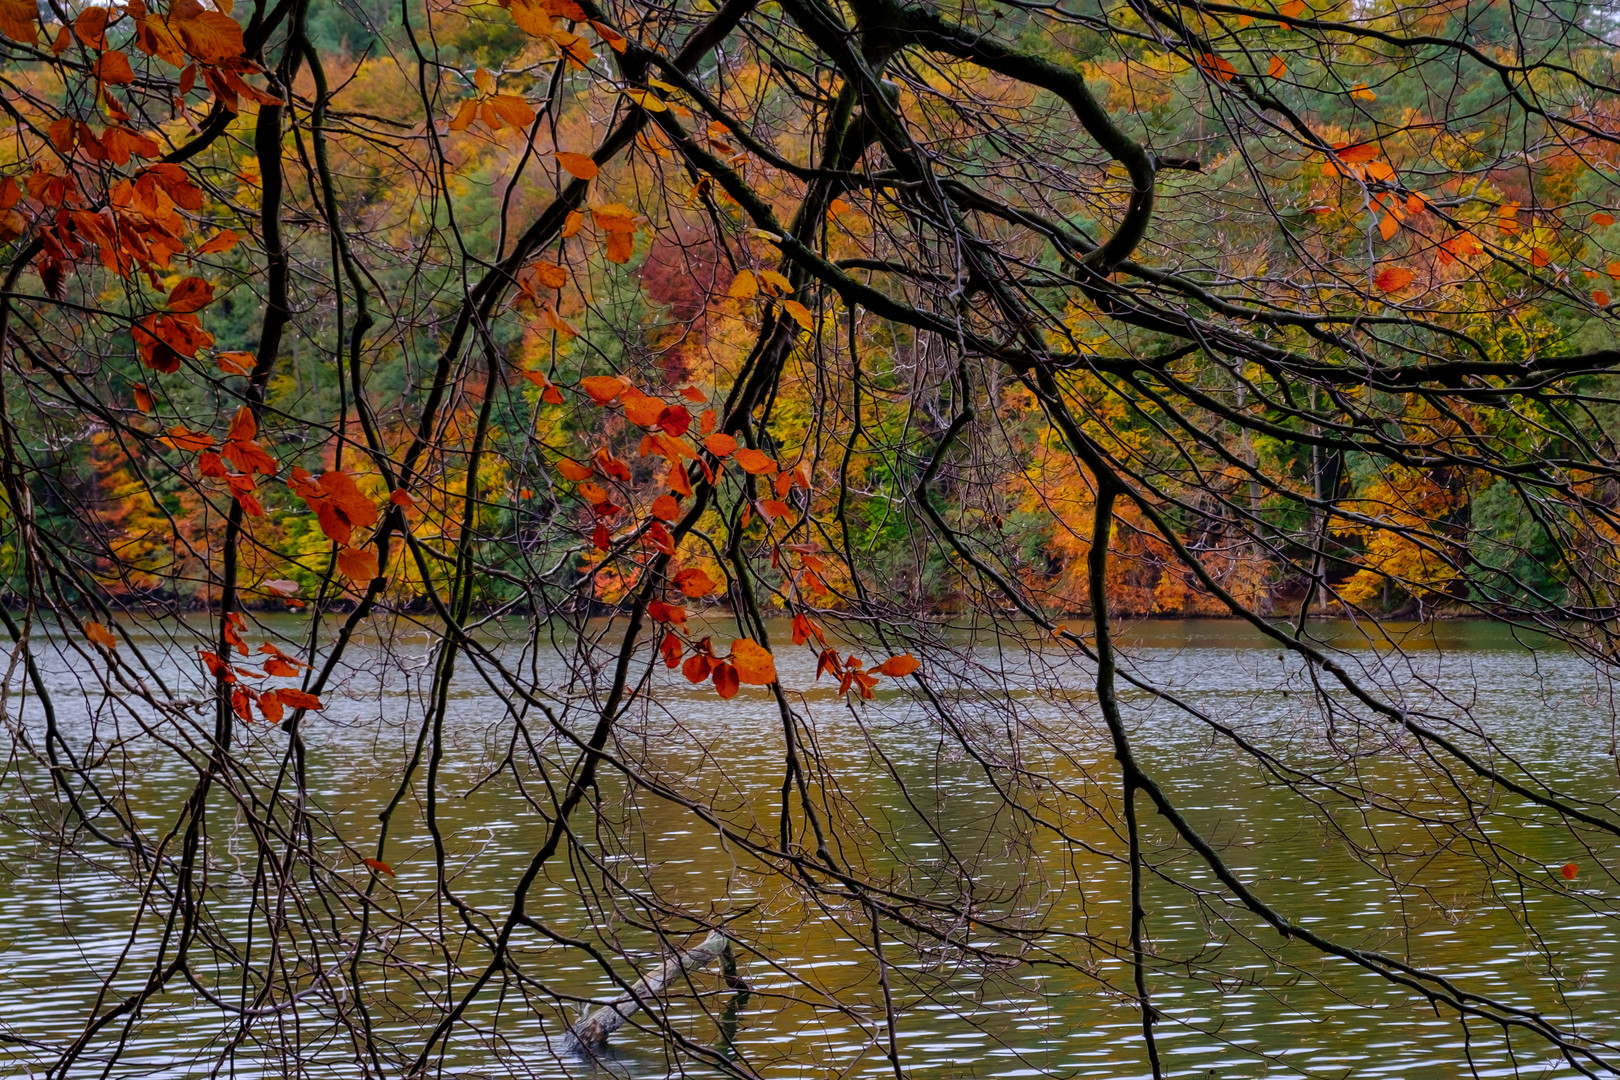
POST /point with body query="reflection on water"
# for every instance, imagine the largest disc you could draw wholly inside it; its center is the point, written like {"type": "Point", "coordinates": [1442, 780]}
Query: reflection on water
{"type": "Point", "coordinates": [1236, 1001]}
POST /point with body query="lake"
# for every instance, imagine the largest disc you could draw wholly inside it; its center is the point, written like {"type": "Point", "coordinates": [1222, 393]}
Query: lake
{"type": "Point", "coordinates": [1001, 828]}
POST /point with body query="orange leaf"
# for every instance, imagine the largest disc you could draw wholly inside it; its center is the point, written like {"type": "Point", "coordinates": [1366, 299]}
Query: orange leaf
{"type": "Point", "coordinates": [744, 286]}
{"type": "Point", "coordinates": [579, 165]}
{"type": "Point", "coordinates": [755, 461]}
{"type": "Point", "coordinates": [777, 508]}
{"type": "Point", "coordinates": [143, 397]}
{"type": "Point", "coordinates": [192, 294]}
{"type": "Point", "coordinates": [223, 240]}
{"type": "Point", "coordinates": [620, 246]}
{"type": "Point", "coordinates": [402, 498]}
{"type": "Point", "coordinates": [183, 438]}
{"type": "Point", "coordinates": [379, 867]}
{"type": "Point", "coordinates": [614, 40]}
{"type": "Point", "coordinates": [100, 635]}
{"type": "Point", "coordinates": [1388, 226]}
{"type": "Point", "coordinates": [694, 582]}
{"type": "Point", "coordinates": [237, 362]}
{"type": "Point", "coordinates": [1360, 91]}
{"type": "Point", "coordinates": [659, 611]}
{"type": "Point", "coordinates": [1277, 69]}
{"type": "Point", "coordinates": [726, 681]}
{"type": "Point", "coordinates": [1393, 278]}
{"type": "Point", "coordinates": [550, 275]}
{"type": "Point", "coordinates": [754, 665]}
{"type": "Point", "coordinates": [1217, 67]}
{"type": "Point", "coordinates": [666, 508]}
{"type": "Point", "coordinates": [898, 666]}
{"type": "Point", "coordinates": [1569, 870]}
{"type": "Point", "coordinates": [113, 69]}
{"type": "Point", "coordinates": [1601, 298]}
{"type": "Point", "coordinates": [1603, 218]}
{"type": "Point", "coordinates": [642, 410]}
{"type": "Point", "coordinates": [800, 314]}
{"type": "Point", "coordinates": [299, 700]}
{"type": "Point", "coordinates": [1293, 9]}
{"type": "Point", "coordinates": [513, 109]}
{"type": "Point", "coordinates": [1539, 257]}
{"type": "Point", "coordinates": [359, 564]}
{"type": "Point", "coordinates": [696, 668]}
{"type": "Point", "coordinates": [1358, 154]}
{"type": "Point", "coordinates": [603, 389]}
{"type": "Point", "coordinates": [720, 444]}
{"type": "Point", "coordinates": [465, 115]}
{"type": "Point", "coordinates": [574, 470]}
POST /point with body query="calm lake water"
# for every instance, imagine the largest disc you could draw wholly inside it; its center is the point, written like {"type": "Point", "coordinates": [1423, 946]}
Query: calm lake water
{"type": "Point", "coordinates": [910, 805]}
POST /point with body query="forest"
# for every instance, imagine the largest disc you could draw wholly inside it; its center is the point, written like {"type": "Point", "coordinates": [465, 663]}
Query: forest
{"type": "Point", "coordinates": [882, 362]}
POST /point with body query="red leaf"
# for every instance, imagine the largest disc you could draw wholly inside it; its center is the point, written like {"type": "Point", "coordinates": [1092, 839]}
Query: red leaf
{"type": "Point", "coordinates": [1393, 278]}
{"type": "Point", "coordinates": [666, 613]}
{"type": "Point", "coordinates": [1569, 870]}
{"type": "Point", "coordinates": [671, 649]}
{"type": "Point", "coordinates": [696, 668]}
{"type": "Point", "coordinates": [379, 867]}
{"type": "Point", "coordinates": [726, 681]}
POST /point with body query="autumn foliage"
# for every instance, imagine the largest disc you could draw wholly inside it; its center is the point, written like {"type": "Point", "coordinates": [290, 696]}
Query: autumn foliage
{"type": "Point", "coordinates": [797, 334]}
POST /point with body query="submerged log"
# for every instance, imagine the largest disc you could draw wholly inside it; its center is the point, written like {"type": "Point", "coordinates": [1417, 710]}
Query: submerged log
{"type": "Point", "coordinates": [592, 1032]}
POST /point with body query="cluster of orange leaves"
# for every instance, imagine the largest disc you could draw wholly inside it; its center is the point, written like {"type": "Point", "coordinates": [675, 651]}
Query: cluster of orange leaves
{"type": "Point", "coordinates": [272, 704]}
{"type": "Point", "coordinates": [1360, 162]}
{"type": "Point", "coordinates": [667, 428]}
{"type": "Point", "coordinates": [136, 227]}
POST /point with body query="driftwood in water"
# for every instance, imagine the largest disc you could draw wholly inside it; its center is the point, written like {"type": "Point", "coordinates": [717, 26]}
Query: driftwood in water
{"type": "Point", "coordinates": [592, 1032]}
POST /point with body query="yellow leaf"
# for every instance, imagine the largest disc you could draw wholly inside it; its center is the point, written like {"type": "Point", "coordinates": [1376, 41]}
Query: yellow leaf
{"type": "Point", "coordinates": [775, 283]}
{"type": "Point", "coordinates": [650, 102]}
{"type": "Point", "coordinates": [743, 286]}
{"type": "Point", "coordinates": [755, 666]}
{"type": "Point", "coordinates": [484, 81]}
{"type": "Point", "coordinates": [1360, 91]}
